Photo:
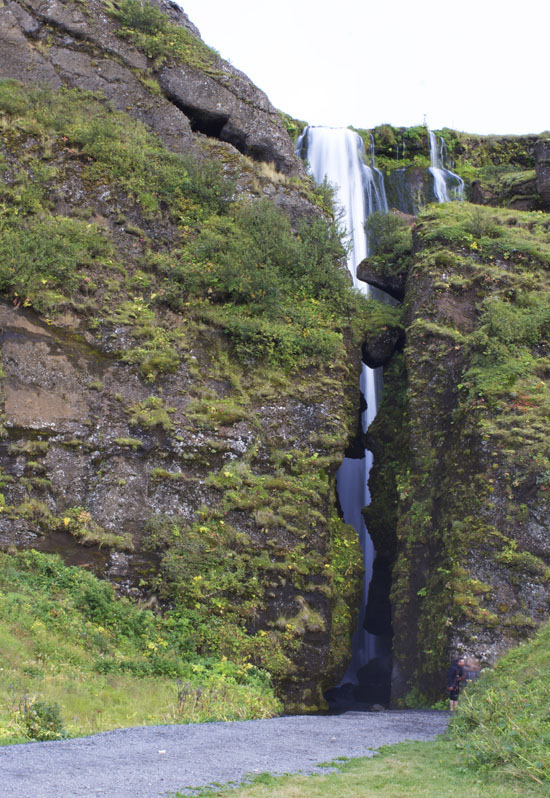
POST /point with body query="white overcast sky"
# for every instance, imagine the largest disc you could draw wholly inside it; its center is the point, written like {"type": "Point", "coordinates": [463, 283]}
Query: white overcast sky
{"type": "Point", "coordinates": [482, 66]}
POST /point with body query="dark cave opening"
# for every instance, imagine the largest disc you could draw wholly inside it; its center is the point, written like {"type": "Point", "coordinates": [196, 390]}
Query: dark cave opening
{"type": "Point", "coordinates": [219, 126]}
{"type": "Point", "coordinates": [202, 121]}
{"type": "Point", "coordinates": [372, 686]}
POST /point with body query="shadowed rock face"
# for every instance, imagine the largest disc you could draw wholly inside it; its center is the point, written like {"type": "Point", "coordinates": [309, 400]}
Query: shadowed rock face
{"type": "Point", "coordinates": [66, 45]}
{"type": "Point", "coordinates": [469, 505]}
{"type": "Point", "coordinates": [542, 154]}
{"type": "Point", "coordinates": [392, 284]}
{"type": "Point", "coordinates": [378, 349]}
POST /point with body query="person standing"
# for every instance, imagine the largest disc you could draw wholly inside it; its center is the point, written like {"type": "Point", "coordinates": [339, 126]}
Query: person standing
{"type": "Point", "coordinates": [455, 677]}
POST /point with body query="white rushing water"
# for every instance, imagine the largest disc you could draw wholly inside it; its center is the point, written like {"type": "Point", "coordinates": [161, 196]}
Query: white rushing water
{"type": "Point", "coordinates": [338, 155]}
{"type": "Point", "coordinates": [447, 185]}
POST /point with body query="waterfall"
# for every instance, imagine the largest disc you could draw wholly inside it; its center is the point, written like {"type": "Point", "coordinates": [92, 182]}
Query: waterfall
{"type": "Point", "coordinates": [444, 180]}
{"type": "Point", "coordinates": [338, 155]}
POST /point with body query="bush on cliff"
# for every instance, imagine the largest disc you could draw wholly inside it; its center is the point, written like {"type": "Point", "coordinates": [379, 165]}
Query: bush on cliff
{"type": "Point", "coordinates": [273, 289]}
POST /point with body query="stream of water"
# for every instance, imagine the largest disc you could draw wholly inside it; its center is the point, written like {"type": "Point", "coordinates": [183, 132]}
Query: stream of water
{"type": "Point", "coordinates": [338, 155]}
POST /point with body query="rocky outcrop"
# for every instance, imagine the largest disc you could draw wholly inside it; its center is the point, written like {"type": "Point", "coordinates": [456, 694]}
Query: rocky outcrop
{"type": "Point", "coordinates": [64, 44]}
{"type": "Point", "coordinates": [409, 189]}
{"type": "Point", "coordinates": [369, 271]}
{"type": "Point", "coordinates": [147, 432]}
{"type": "Point", "coordinates": [542, 154]}
{"type": "Point", "coordinates": [460, 479]}
{"type": "Point", "coordinates": [379, 348]}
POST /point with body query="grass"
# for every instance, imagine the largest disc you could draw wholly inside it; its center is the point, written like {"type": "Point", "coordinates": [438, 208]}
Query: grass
{"type": "Point", "coordinates": [504, 720]}
{"type": "Point", "coordinates": [69, 642]}
{"type": "Point", "coordinates": [407, 770]}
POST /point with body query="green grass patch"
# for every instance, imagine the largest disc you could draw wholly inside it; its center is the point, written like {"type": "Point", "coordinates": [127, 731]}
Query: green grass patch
{"type": "Point", "coordinates": [148, 28]}
{"type": "Point", "coordinates": [407, 770]}
{"type": "Point", "coordinates": [69, 643]}
{"type": "Point", "coordinates": [504, 719]}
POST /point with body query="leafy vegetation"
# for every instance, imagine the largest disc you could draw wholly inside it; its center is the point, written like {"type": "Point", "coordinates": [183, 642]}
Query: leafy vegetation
{"type": "Point", "coordinates": [76, 659]}
{"type": "Point", "coordinates": [398, 148]}
{"type": "Point", "coordinates": [240, 266]}
{"type": "Point", "coordinates": [145, 26]}
{"type": "Point", "coordinates": [390, 241]}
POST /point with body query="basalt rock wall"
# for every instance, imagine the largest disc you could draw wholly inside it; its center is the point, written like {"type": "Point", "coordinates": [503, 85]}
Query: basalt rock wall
{"type": "Point", "coordinates": [460, 481]}
{"type": "Point", "coordinates": [148, 432]}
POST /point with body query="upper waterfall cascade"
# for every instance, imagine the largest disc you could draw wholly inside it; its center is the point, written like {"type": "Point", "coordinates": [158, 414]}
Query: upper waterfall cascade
{"type": "Point", "coordinates": [447, 185]}
{"type": "Point", "coordinates": [338, 155]}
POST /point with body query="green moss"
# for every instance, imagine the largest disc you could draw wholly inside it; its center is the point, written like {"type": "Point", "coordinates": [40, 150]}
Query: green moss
{"type": "Point", "coordinates": [473, 439]}
{"type": "Point", "coordinates": [151, 413]}
{"type": "Point", "coordinates": [32, 448]}
{"type": "Point", "coordinates": [132, 443]}
{"type": "Point", "coordinates": [79, 523]}
{"type": "Point", "coordinates": [293, 126]}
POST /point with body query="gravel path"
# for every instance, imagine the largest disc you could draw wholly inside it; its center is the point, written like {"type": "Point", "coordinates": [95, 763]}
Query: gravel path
{"type": "Point", "coordinates": [148, 762]}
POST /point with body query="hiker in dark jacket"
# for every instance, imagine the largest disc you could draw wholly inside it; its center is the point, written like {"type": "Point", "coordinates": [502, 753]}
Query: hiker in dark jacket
{"type": "Point", "coordinates": [455, 677]}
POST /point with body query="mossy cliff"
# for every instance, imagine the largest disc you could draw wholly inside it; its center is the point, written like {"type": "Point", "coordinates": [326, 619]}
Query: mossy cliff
{"type": "Point", "coordinates": [180, 342]}
{"type": "Point", "coordinates": [180, 353]}
{"type": "Point", "coordinates": [462, 452]}
{"type": "Point", "coordinates": [497, 170]}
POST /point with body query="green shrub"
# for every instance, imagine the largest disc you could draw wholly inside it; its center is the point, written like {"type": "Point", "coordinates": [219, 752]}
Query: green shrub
{"type": "Point", "coordinates": [42, 720]}
{"type": "Point", "coordinates": [388, 234]}
{"type": "Point", "coordinates": [139, 16]}
{"type": "Point", "coordinates": [148, 28]}
{"type": "Point", "coordinates": [40, 259]}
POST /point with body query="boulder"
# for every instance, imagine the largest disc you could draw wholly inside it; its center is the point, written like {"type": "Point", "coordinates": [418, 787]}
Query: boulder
{"type": "Point", "coordinates": [378, 349]}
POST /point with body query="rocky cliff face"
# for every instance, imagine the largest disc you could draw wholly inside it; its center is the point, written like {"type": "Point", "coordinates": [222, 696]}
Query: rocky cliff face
{"type": "Point", "coordinates": [497, 170]}
{"type": "Point", "coordinates": [66, 44]}
{"type": "Point", "coordinates": [542, 153]}
{"type": "Point", "coordinates": [179, 362]}
{"type": "Point", "coordinates": [461, 445]}
{"type": "Point", "coordinates": [176, 391]}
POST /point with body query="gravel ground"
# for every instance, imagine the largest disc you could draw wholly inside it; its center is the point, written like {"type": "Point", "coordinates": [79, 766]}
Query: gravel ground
{"type": "Point", "coordinates": [148, 762]}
